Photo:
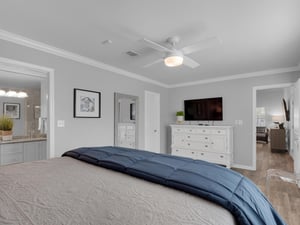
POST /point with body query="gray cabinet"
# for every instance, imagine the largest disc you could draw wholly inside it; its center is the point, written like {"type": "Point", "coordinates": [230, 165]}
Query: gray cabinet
{"type": "Point", "coordinates": [22, 152]}
{"type": "Point", "coordinates": [11, 153]}
{"type": "Point", "coordinates": [34, 151]}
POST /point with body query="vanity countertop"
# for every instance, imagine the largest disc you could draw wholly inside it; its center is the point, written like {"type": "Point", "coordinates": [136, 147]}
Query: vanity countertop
{"type": "Point", "coordinates": [23, 139]}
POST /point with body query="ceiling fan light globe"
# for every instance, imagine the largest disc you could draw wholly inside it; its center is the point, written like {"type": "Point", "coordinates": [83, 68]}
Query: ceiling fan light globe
{"type": "Point", "coordinates": [173, 60]}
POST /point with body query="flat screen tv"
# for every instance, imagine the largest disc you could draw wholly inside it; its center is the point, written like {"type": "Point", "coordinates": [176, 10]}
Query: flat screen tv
{"type": "Point", "coordinates": [209, 109]}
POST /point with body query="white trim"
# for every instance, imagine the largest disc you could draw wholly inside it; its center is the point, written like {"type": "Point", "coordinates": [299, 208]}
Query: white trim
{"type": "Point", "coordinates": [147, 133]}
{"type": "Point", "coordinates": [239, 166]}
{"type": "Point", "coordinates": [21, 40]}
{"type": "Point", "coordinates": [254, 91]}
{"type": "Point", "coordinates": [239, 76]}
{"type": "Point", "coordinates": [38, 71]}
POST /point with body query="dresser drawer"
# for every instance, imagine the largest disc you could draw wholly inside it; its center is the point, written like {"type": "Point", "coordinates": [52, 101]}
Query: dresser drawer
{"type": "Point", "coordinates": [222, 132]}
{"type": "Point", "coordinates": [184, 153]}
{"type": "Point", "coordinates": [197, 131]}
{"type": "Point", "coordinates": [218, 158]}
{"type": "Point", "coordinates": [197, 137]}
{"type": "Point", "coordinates": [197, 145]}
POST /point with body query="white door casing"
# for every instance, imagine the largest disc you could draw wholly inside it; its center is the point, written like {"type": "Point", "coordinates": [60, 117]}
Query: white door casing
{"type": "Point", "coordinates": [152, 121]}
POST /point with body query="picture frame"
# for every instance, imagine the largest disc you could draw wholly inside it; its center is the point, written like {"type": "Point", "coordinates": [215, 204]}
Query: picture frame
{"type": "Point", "coordinates": [87, 104]}
{"type": "Point", "coordinates": [11, 110]}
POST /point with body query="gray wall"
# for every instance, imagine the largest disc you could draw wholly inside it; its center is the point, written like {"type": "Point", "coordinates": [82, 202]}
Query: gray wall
{"type": "Point", "coordinates": [237, 105]}
{"type": "Point", "coordinates": [69, 75]}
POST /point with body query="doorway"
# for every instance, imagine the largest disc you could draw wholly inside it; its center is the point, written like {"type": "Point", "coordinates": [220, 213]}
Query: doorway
{"type": "Point", "coordinates": [126, 121]}
{"type": "Point", "coordinates": [27, 70]}
{"type": "Point", "coordinates": [266, 119]}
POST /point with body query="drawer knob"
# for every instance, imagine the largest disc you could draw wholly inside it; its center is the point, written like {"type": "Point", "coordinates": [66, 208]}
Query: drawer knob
{"type": "Point", "coordinates": [202, 153]}
{"type": "Point", "coordinates": [189, 144]}
{"type": "Point", "coordinates": [206, 146]}
{"type": "Point", "coordinates": [221, 156]}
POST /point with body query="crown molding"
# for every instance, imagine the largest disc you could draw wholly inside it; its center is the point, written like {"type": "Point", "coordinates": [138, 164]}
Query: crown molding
{"type": "Point", "coordinates": [239, 76]}
{"type": "Point", "coordinates": [21, 40]}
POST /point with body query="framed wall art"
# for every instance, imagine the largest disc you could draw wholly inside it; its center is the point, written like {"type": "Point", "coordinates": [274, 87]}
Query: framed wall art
{"type": "Point", "coordinates": [11, 110]}
{"type": "Point", "coordinates": [87, 104]}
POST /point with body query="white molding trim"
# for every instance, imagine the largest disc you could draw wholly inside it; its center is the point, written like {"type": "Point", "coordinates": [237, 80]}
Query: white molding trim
{"type": "Point", "coordinates": [239, 76]}
{"type": "Point", "coordinates": [37, 71]}
{"type": "Point", "coordinates": [21, 40]}
{"type": "Point", "coordinates": [240, 166]}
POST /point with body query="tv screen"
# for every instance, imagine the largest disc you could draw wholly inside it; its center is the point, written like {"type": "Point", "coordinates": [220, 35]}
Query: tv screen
{"type": "Point", "coordinates": [203, 109]}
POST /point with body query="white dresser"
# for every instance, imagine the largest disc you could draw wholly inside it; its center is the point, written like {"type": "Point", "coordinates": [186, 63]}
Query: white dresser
{"type": "Point", "coordinates": [209, 143]}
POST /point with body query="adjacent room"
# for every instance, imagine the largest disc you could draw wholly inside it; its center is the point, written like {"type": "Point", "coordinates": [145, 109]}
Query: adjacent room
{"type": "Point", "coordinates": [150, 112]}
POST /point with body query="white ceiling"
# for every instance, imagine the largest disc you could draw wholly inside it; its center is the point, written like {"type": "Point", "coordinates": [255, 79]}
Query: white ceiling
{"type": "Point", "coordinates": [256, 35]}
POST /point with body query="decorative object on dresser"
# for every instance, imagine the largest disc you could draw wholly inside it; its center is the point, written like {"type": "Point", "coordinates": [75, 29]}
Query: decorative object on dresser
{"type": "Point", "coordinates": [180, 117]}
{"type": "Point", "coordinates": [6, 126]}
{"type": "Point", "coordinates": [278, 120]}
{"type": "Point", "coordinates": [278, 140]}
{"type": "Point", "coordinates": [209, 143]}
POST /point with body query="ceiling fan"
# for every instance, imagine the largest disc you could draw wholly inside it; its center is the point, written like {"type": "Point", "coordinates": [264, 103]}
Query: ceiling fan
{"type": "Point", "coordinates": [176, 57]}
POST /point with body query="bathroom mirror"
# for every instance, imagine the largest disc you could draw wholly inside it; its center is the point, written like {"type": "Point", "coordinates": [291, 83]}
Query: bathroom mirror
{"type": "Point", "coordinates": [126, 120]}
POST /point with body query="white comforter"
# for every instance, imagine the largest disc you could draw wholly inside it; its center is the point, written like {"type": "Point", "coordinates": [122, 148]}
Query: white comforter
{"type": "Point", "coordinates": [68, 191]}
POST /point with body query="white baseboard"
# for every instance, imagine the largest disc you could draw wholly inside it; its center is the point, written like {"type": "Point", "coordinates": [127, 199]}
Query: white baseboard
{"type": "Point", "coordinates": [239, 166]}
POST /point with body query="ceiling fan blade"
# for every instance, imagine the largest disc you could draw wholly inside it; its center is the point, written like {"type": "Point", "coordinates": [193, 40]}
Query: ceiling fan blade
{"type": "Point", "coordinates": [190, 62]}
{"type": "Point", "coordinates": [156, 46]}
{"type": "Point", "coordinates": [201, 45]}
{"type": "Point", "coordinates": [152, 63]}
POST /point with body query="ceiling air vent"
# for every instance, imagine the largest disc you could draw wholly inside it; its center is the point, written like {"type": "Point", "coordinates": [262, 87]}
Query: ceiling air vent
{"type": "Point", "coordinates": [132, 53]}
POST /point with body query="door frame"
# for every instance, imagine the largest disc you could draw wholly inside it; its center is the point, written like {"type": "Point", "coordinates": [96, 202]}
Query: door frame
{"type": "Point", "coordinates": [147, 93]}
{"type": "Point", "coordinates": [254, 94]}
{"type": "Point", "coordinates": [28, 69]}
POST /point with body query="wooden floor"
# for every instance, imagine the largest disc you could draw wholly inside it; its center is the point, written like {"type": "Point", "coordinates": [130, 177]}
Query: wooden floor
{"type": "Point", "coordinates": [285, 197]}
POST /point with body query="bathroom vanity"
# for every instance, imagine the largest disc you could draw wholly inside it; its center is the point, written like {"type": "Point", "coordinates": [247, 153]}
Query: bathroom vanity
{"type": "Point", "coordinates": [23, 149]}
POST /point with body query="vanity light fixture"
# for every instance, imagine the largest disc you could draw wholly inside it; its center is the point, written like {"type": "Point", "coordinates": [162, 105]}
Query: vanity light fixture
{"type": "Point", "coordinates": [2, 92]}
{"type": "Point", "coordinates": [11, 94]}
{"type": "Point", "coordinates": [22, 94]}
{"type": "Point", "coordinates": [14, 94]}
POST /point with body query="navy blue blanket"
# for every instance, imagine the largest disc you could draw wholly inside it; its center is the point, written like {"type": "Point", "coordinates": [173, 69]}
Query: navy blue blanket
{"type": "Point", "coordinates": [215, 183]}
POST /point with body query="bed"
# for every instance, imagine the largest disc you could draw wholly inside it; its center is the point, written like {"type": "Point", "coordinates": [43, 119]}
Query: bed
{"type": "Point", "coordinates": [68, 190]}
